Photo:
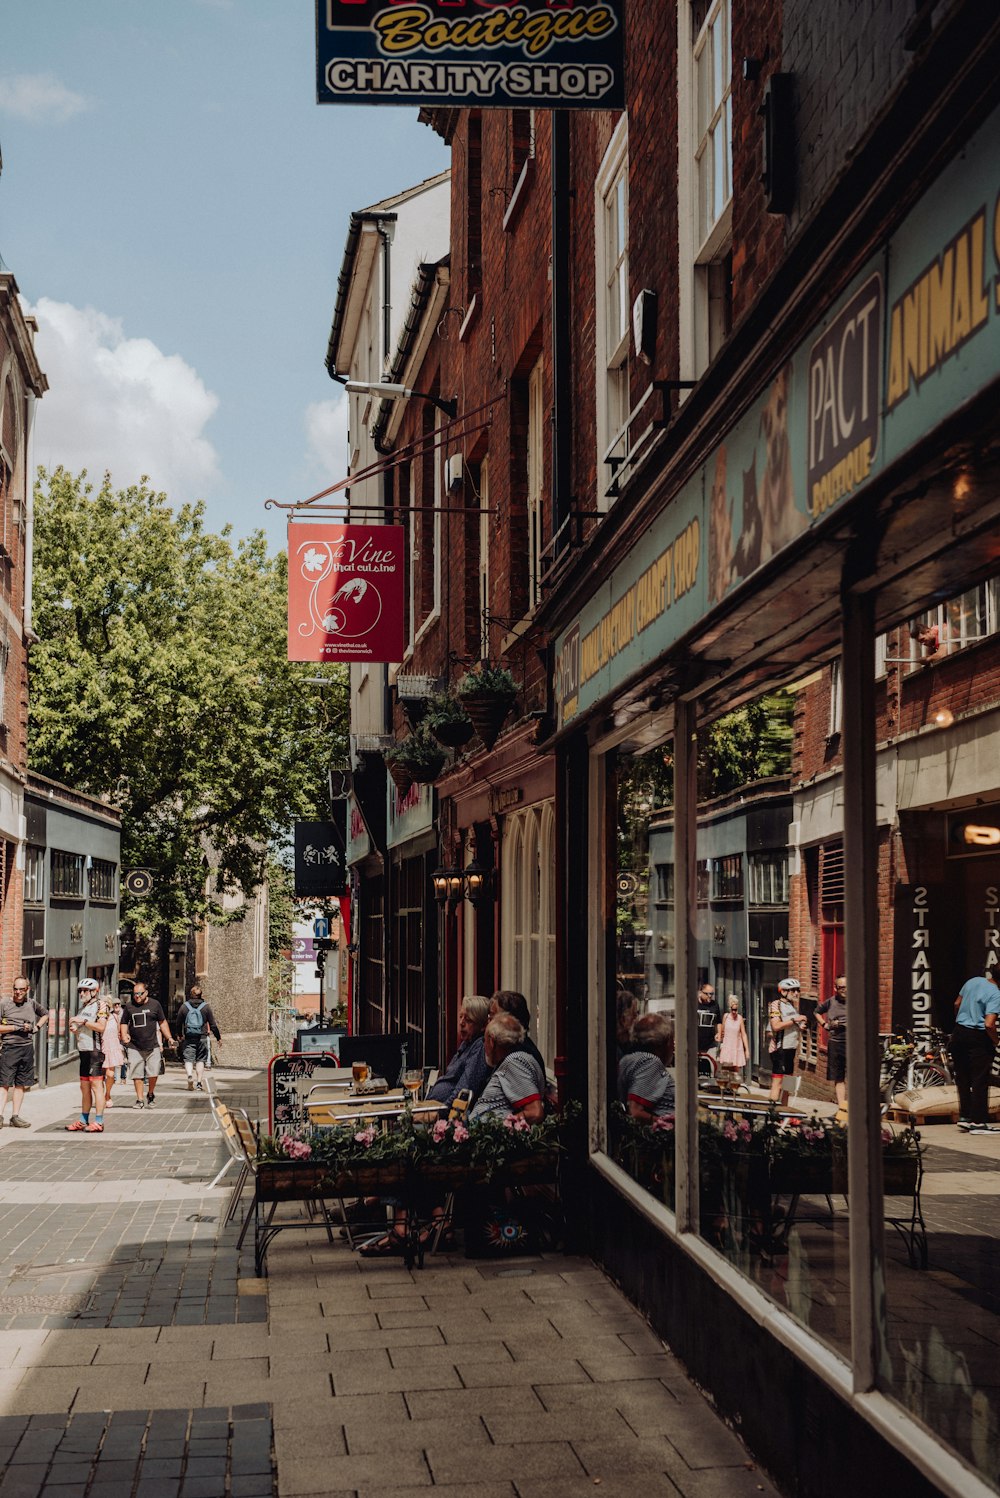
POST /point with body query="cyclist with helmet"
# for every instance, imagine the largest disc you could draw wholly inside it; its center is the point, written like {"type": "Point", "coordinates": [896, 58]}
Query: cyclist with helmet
{"type": "Point", "coordinates": [786, 1025]}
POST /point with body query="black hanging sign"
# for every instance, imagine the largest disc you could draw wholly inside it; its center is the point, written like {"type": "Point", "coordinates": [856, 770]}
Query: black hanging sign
{"type": "Point", "coordinates": [510, 54]}
{"type": "Point", "coordinates": [319, 860]}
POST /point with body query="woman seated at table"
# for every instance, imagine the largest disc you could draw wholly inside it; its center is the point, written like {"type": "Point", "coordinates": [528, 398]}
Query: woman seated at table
{"type": "Point", "coordinates": [517, 1084]}
{"type": "Point", "coordinates": [645, 1081]}
{"type": "Point", "coordinates": [468, 1068]}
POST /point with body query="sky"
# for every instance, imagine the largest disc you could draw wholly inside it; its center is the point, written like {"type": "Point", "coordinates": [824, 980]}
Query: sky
{"type": "Point", "coordinates": [174, 206]}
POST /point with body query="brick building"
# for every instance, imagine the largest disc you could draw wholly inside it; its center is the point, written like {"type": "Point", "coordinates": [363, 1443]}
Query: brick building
{"type": "Point", "coordinates": [21, 384]}
{"type": "Point", "coordinates": [725, 368]}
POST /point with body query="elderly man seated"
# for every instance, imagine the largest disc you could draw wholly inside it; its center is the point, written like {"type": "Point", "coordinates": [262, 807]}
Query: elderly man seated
{"type": "Point", "coordinates": [518, 1082]}
{"type": "Point", "coordinates": [468, 1068]}
{"type": "Point", "coordinates": [645, 1082]}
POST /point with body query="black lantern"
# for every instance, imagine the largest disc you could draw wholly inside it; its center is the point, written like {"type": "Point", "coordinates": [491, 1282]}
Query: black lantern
{"type": "Point", "coordinates": [447, 886]}
{"type": "Point", "coordinates": [476, 879]}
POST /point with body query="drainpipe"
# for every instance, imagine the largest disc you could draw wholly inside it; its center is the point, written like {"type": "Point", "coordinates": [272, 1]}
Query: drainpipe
{"type": "Point", "coordinates": [385, 228]}
{"type": "Point", "coordinates": [562, 392]}
{"type": "Point", "coordinates": [29, 520]}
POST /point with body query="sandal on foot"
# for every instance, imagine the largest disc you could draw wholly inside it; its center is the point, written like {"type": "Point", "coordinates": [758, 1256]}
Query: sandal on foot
{"type": "Point", "coordinates": [382, 1248]}
{"type": "Point", "coordinates": [76, 1127]}
{"type": "Point", "coordinates": [94, 1128]}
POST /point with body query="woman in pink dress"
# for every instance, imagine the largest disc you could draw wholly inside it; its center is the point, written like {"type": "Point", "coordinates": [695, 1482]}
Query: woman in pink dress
{"type": "Point", "coordinates": [731, 1036]}
{"type": "Point", "coordinates": [112, 1046]}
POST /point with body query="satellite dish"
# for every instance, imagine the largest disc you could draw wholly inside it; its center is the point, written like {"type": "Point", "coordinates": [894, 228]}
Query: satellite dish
{"type": "Point", "coordinates": [138, 883]}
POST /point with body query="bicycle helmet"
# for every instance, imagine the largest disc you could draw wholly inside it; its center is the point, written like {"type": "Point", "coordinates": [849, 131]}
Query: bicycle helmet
{"type": "Point", "coordinates": [789, 985]}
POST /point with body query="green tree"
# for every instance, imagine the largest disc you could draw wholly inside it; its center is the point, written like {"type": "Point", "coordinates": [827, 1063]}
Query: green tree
{"type": "Point", "coordinates": [160, 681]}
{"type": "Point", "coordinates": [749, 744]}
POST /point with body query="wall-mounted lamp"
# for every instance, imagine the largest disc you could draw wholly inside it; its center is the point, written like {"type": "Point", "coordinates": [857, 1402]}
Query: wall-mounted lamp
{"type": "Point", "coordinates": [447, 885]}
{"type": "Point", "coordinates": [478, 882]}
{"type": "Point", "coordinates": [386, 391]}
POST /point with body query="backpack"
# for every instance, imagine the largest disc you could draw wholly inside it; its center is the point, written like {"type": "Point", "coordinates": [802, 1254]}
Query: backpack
{"type": "Point", "coordinates": [193, 1021]}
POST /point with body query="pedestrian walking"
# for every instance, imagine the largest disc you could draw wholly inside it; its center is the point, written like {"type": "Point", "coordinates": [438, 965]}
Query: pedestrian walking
{"type": "Point", "coordinates": [114, 1054]}
{"type": "Point", "coordinates": [19, 1020]}
{"type": "Point", "coordinates": [142, 1021]}
{"type": "Point", "coordinates": [88, 1027]}
{"type": "Point", "coordinates": [194, 1021]}
{"type": "Point", "coordinates": [832, 1015]}
{"type": "Point", "coordinates": [731, 1037]}
{"type": "Point", "coordinates": [786, 1025]}
{"type": "Point", "coordinates": [973, 1046]}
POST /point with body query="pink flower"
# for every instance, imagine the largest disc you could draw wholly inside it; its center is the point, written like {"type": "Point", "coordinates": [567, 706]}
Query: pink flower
{"type": "Point", "coordinates": [743, 1129]}
{"type": "Point", "coordinates": [459, 1132]}
{"type": "Point", "coordinates": [663, 1124]}
{"type": "Point", "coordinates": [294, 1148]}
{"type": "Point", "coordinates": [887, 1136]}
{"type": "Point", "coordinates": [729, 1130]}
{"type": "Point", "coordinates": [439, 1130]}
{"type": "Point", "coordinates": [366, 1136]}
{"type": "Point", "coordinates": [516, 1122]}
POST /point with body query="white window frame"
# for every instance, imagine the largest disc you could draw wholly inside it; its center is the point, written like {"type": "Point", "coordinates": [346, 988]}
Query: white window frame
{"type": "Point", "coordinates": [612, 362]}
{"type": "Point", "coordinates": [700, 253]}
{"type": "Point", "coordinates": [536, 472]}
{"type": "Point", "coordinates": [527, 917]}
{"type": "Point", "coordinates": [953, 636]}
{"type": "Point", "coordinates": [836, 699]}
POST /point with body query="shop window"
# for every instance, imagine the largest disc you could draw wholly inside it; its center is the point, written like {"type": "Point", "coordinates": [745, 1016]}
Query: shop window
{"type": "Point", "coordinates": [528, 917]}
{"type": "Point", "coordinates": [727, 877]}
{"type": "Point", "coordinates": [104, 881]}
{"type": "Point", "coordinates": [34, 875]}
{"type": "Point", "coordinates": [701, 881]}
{"type": "Point", "coordinates": [769, 879]}
{"type": "Point", "coordinates": [67, 875]}
{"type": "Point", "coordinates": [613, 306]}
{"type": "Point", "coordinates": [836, 715]}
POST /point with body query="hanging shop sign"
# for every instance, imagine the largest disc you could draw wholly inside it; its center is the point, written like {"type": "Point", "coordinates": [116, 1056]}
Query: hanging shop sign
{"type": "Point", "coordinates": [508, 54]}
{"type": "Point", "coordinates": [319, 860]}
{"type": "Point", "coordinates": [346, 593]}
{"type": "Point", "coordinates": [409, 815]}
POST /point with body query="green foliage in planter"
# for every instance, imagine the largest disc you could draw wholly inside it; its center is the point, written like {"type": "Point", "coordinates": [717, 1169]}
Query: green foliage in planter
{"type": "Point", "coordinates": [417, 751]}
{"type": "Point", "coordinates": [488, 681]}
{"type": "Point", "coordinates": [443, 710]}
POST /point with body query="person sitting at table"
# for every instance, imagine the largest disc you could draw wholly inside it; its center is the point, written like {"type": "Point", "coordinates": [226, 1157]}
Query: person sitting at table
{"type": "Point", "coordinates": [468, 1068]}
{"type": "Point", "coordinates": [509, 1001]}
{"type": "Point", "coordinates": [518, 1081]}
{"type": "Point", "coordinates": [645, 1081]}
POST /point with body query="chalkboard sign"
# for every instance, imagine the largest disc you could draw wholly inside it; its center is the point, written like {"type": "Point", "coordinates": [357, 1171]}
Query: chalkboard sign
{"type": "Point", "coordinates": [284, 1108]}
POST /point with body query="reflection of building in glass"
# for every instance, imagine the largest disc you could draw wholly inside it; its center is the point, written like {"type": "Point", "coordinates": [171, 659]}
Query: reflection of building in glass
{"type": "Point", "coordinates": [742, 890]}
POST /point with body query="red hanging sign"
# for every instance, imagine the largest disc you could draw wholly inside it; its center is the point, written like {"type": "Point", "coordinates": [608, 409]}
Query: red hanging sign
{"type": "Point", "coordinates": [346, 593]}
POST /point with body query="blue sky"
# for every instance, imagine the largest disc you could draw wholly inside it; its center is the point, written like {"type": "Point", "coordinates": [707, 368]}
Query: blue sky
{"type": "Point", "coordinates": [174, 204]}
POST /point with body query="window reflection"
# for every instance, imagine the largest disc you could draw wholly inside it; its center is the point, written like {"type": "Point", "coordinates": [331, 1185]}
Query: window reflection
{"type": "Point", "coordinates": [771, 1142]}
{"type": "Point", "coordinates": [642, 1085]}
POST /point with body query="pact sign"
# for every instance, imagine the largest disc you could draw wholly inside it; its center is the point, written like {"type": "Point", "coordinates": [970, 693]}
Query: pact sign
{"type": "Point", "coordinates": [345, 592]}
{"type": "Point", "coordinates": [504, 54]}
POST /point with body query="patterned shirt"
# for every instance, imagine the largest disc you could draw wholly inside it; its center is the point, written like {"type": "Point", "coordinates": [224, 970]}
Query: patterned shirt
{"type": "Point", "coordinates": [643, 1079]}
{"type": "Point", "coordinates": [516, 1082]}
{"type": "Point", "coordinates": [467, 1068]}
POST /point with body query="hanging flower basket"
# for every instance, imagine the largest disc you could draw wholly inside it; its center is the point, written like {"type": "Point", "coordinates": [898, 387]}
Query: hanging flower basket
{"type": "Point", "coordinates": [425, 771]}
{"type": "Point", "coordinates": [414, 710]}
{"type": "Point", "coordinates": [401, 775]}
{"type": "Point", "coordinates": [448, 722]}
{"type": "Point", "coordinates": [487, 695]}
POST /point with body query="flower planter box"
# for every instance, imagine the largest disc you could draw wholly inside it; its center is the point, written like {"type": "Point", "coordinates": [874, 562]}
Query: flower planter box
{"type": "Point", "coordinates": [296, 1180]}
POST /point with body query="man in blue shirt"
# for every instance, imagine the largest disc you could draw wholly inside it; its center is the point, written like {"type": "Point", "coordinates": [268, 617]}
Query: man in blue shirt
{"type": "Point", "coordinates": [972, 1049]}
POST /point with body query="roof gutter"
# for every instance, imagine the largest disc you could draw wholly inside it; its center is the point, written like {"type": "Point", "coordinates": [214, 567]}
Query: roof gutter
{"type": "Point", "coordinates": [354, 230]}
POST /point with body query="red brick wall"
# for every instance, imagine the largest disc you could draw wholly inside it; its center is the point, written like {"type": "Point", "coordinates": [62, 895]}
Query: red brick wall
{"type": "Point", "coordinates": [758, 237]}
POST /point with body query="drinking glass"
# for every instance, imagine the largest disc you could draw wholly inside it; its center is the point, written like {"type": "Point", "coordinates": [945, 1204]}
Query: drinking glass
{"type": "Point", "coordinates": [413, 1081]}
{"type": "Point", "coordinates": [359, 1072]}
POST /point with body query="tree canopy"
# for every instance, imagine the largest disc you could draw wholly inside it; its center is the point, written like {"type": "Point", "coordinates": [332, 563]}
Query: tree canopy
{"type": "Point", "coordinates": [160, 681]}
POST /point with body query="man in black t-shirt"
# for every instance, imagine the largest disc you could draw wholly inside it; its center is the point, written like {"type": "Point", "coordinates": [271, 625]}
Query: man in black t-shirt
{"type": "Point", "coordinates": [142, 1017]}
{"type": "Point", "coordinates": [709, 1018]}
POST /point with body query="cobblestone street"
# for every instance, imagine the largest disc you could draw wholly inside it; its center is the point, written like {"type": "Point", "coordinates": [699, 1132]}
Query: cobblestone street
{"type": "Point", "coordinates": [140, 1358]}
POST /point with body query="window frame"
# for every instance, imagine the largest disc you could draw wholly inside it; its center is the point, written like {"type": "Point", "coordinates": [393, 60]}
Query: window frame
{"type": "Point", "coordinates": [612, 362]}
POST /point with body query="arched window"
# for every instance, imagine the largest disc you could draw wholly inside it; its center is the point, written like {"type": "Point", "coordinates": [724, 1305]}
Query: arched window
{"type": "Point", "coordinates": [527, 936]}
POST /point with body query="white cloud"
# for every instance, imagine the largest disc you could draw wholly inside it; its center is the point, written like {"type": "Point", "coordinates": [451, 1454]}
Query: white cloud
{"type": "Point", "coordinates": [39, 98]}
{"type": "Point", "coordinates": [121, 404]}
{"type": "Point", "coordinates": [326, 438]}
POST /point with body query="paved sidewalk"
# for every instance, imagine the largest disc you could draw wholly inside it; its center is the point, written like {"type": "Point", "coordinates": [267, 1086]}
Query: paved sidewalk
{"type": "Point", "coordinates": [140, 1358]}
